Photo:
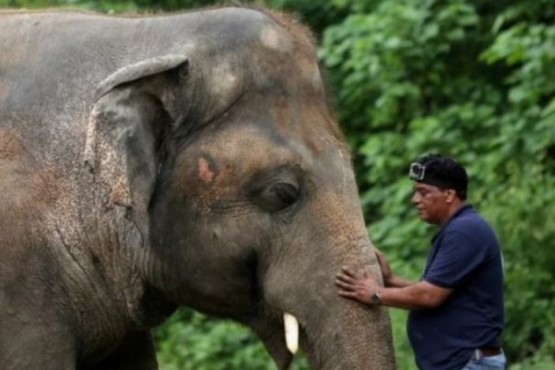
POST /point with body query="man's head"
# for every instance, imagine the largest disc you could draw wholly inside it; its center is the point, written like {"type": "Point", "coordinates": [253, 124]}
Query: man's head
{"type": "Point", "coordinates": [440, 185]}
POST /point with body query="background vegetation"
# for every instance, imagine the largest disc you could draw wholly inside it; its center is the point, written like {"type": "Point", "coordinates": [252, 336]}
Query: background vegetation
{"type": "Point", "coordinates": [474, 79]}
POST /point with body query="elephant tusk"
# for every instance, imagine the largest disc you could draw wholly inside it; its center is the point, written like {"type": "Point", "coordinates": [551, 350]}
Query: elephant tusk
{"type": "Point", "coordinates": [291, 332]}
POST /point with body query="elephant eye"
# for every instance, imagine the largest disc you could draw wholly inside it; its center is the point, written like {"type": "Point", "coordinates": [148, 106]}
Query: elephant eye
{"type": "Point", "coordinates": [277, 196]}
{"type": "Point", "coordinates": [286, 193]}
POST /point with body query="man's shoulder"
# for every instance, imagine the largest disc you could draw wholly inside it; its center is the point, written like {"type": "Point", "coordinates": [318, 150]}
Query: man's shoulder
{"type": "Point", "coordinates": [468, 218]}
{"type": "Point", "coordinates": [471, 224]}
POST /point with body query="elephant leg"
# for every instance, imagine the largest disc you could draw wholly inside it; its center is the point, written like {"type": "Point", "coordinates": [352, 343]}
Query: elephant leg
{"type": "Point", "coordinates": [135, 352]}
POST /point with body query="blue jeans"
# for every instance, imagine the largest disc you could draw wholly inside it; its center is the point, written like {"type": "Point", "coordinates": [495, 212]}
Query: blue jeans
{"type": "Point", "coordinates": [497, 362]}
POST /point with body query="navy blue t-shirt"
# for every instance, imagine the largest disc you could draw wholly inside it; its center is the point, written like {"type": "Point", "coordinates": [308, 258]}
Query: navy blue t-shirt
{"type": "Point", "coordinates": [465, 256]}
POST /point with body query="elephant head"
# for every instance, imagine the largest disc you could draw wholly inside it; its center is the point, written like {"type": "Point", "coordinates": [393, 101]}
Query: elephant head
{"type": "Point", "coordinates": [238, 185]}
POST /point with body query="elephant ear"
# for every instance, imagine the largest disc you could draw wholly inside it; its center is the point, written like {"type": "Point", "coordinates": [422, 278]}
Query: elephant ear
{"type": "Point", "coordinates": [127, 134]}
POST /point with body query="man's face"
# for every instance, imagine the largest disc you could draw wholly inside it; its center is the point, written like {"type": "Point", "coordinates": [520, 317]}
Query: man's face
{"type": "Point", "coordinates": [432, 202]}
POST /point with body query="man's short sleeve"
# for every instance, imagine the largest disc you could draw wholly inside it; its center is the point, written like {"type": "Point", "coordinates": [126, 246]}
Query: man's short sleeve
{"type": "Point", "coordinates": [457, 256]}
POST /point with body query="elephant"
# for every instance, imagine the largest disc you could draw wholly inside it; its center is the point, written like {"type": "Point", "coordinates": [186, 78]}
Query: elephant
{"type": "Point", "coordinates": [183, 159]}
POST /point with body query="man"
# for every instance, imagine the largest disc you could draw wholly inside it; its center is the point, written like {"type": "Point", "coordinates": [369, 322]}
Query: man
{"type": "Point", "coordinates": [456, 309]}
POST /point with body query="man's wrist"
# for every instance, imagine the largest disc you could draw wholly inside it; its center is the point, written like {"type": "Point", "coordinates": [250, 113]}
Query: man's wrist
{"type": "Point", "coordinates": [388, 281]}
{"type": "Point", "coordinates": [376, 298]}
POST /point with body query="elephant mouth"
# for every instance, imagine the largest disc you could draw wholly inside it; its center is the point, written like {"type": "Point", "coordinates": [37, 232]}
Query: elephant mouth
{"type": "Point", "coordinates": [295, 337]}
{"type": "Point", "coordinates": [281, 335]}
{"type": "Point", "coordinates": [284, 335]}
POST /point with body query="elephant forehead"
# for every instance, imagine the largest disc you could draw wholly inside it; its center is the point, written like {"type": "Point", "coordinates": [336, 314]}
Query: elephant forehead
{"type": "Point", "coordinates": [233, 157]}
{"type": "Point", "coordinates": [252, 146]}
{"type": "Point", "coordinates": [223, 82]}
{"type": "Point", "coordinates": [226, 158]}
{"type": "Point", "coordinates": [291, 135]}
{"type": "Point", "coordinates": [273, 39]}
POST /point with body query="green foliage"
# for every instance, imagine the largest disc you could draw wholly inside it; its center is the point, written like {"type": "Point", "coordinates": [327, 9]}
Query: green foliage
{"type": "Point", "coordinates": [474, 79]}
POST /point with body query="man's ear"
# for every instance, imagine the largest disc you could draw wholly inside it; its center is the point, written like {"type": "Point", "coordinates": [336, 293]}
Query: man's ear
{"type": "Point", "coordinates": [450, 195]}
{"type": "Point", "coordinates": [128, 130]}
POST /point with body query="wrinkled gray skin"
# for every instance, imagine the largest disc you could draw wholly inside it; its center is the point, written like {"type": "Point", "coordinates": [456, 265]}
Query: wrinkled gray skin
{"type": "Point", "coordinates": [150, 163]}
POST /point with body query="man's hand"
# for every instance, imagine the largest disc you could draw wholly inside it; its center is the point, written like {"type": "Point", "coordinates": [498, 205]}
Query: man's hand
{"type": "Point", "coordinates": [359, 288]}
{"type": "Point", "coordinates": [390, 280]}
{"type": "Point", "coordinates": [386, 269]}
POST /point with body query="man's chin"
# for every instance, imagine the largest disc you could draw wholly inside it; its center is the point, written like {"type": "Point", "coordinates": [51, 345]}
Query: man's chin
{"type": "Point", "coordinates": [425, 218]}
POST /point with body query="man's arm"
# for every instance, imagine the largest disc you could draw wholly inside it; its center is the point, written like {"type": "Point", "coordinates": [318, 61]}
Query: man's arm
{"type": "Point", "coordinates": [397, 282]}
{"type": "Point", "coordinates": [421, 295]}
{"type": "Point", "coordinates": [390, 280]}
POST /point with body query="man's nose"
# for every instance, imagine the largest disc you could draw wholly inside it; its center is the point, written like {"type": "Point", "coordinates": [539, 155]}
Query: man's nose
{"type": "Point", "coordinates": [416, 198]}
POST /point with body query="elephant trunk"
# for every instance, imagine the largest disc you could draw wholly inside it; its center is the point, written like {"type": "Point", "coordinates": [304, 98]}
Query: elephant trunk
{"type": "Point", "coordinates": [335, 333]}
{"type": "Point", "coordinates": [349, 337]}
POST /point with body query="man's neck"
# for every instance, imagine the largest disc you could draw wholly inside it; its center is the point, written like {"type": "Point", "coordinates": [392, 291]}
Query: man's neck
{"type": "Point", "coordinates": [454, 206]}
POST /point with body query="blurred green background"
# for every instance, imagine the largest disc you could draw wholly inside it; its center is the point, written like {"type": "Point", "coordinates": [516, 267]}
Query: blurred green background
{"type": "Point", "coordinates": [474, 79]}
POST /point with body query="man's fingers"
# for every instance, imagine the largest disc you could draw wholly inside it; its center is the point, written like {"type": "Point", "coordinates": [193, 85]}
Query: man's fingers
{"type": "Point", "coordinates": [344, 283]}
{"type": "Point", "coordinates": [346, 278]}
{"type": "Point", "coordinates": [348, 272]}
{"type": "Point", "coordinates": [379, 257]}
{"type": "Point", "coordinates": [345, 294]}
{"type": "Point", "coordinates": [381, 260]}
